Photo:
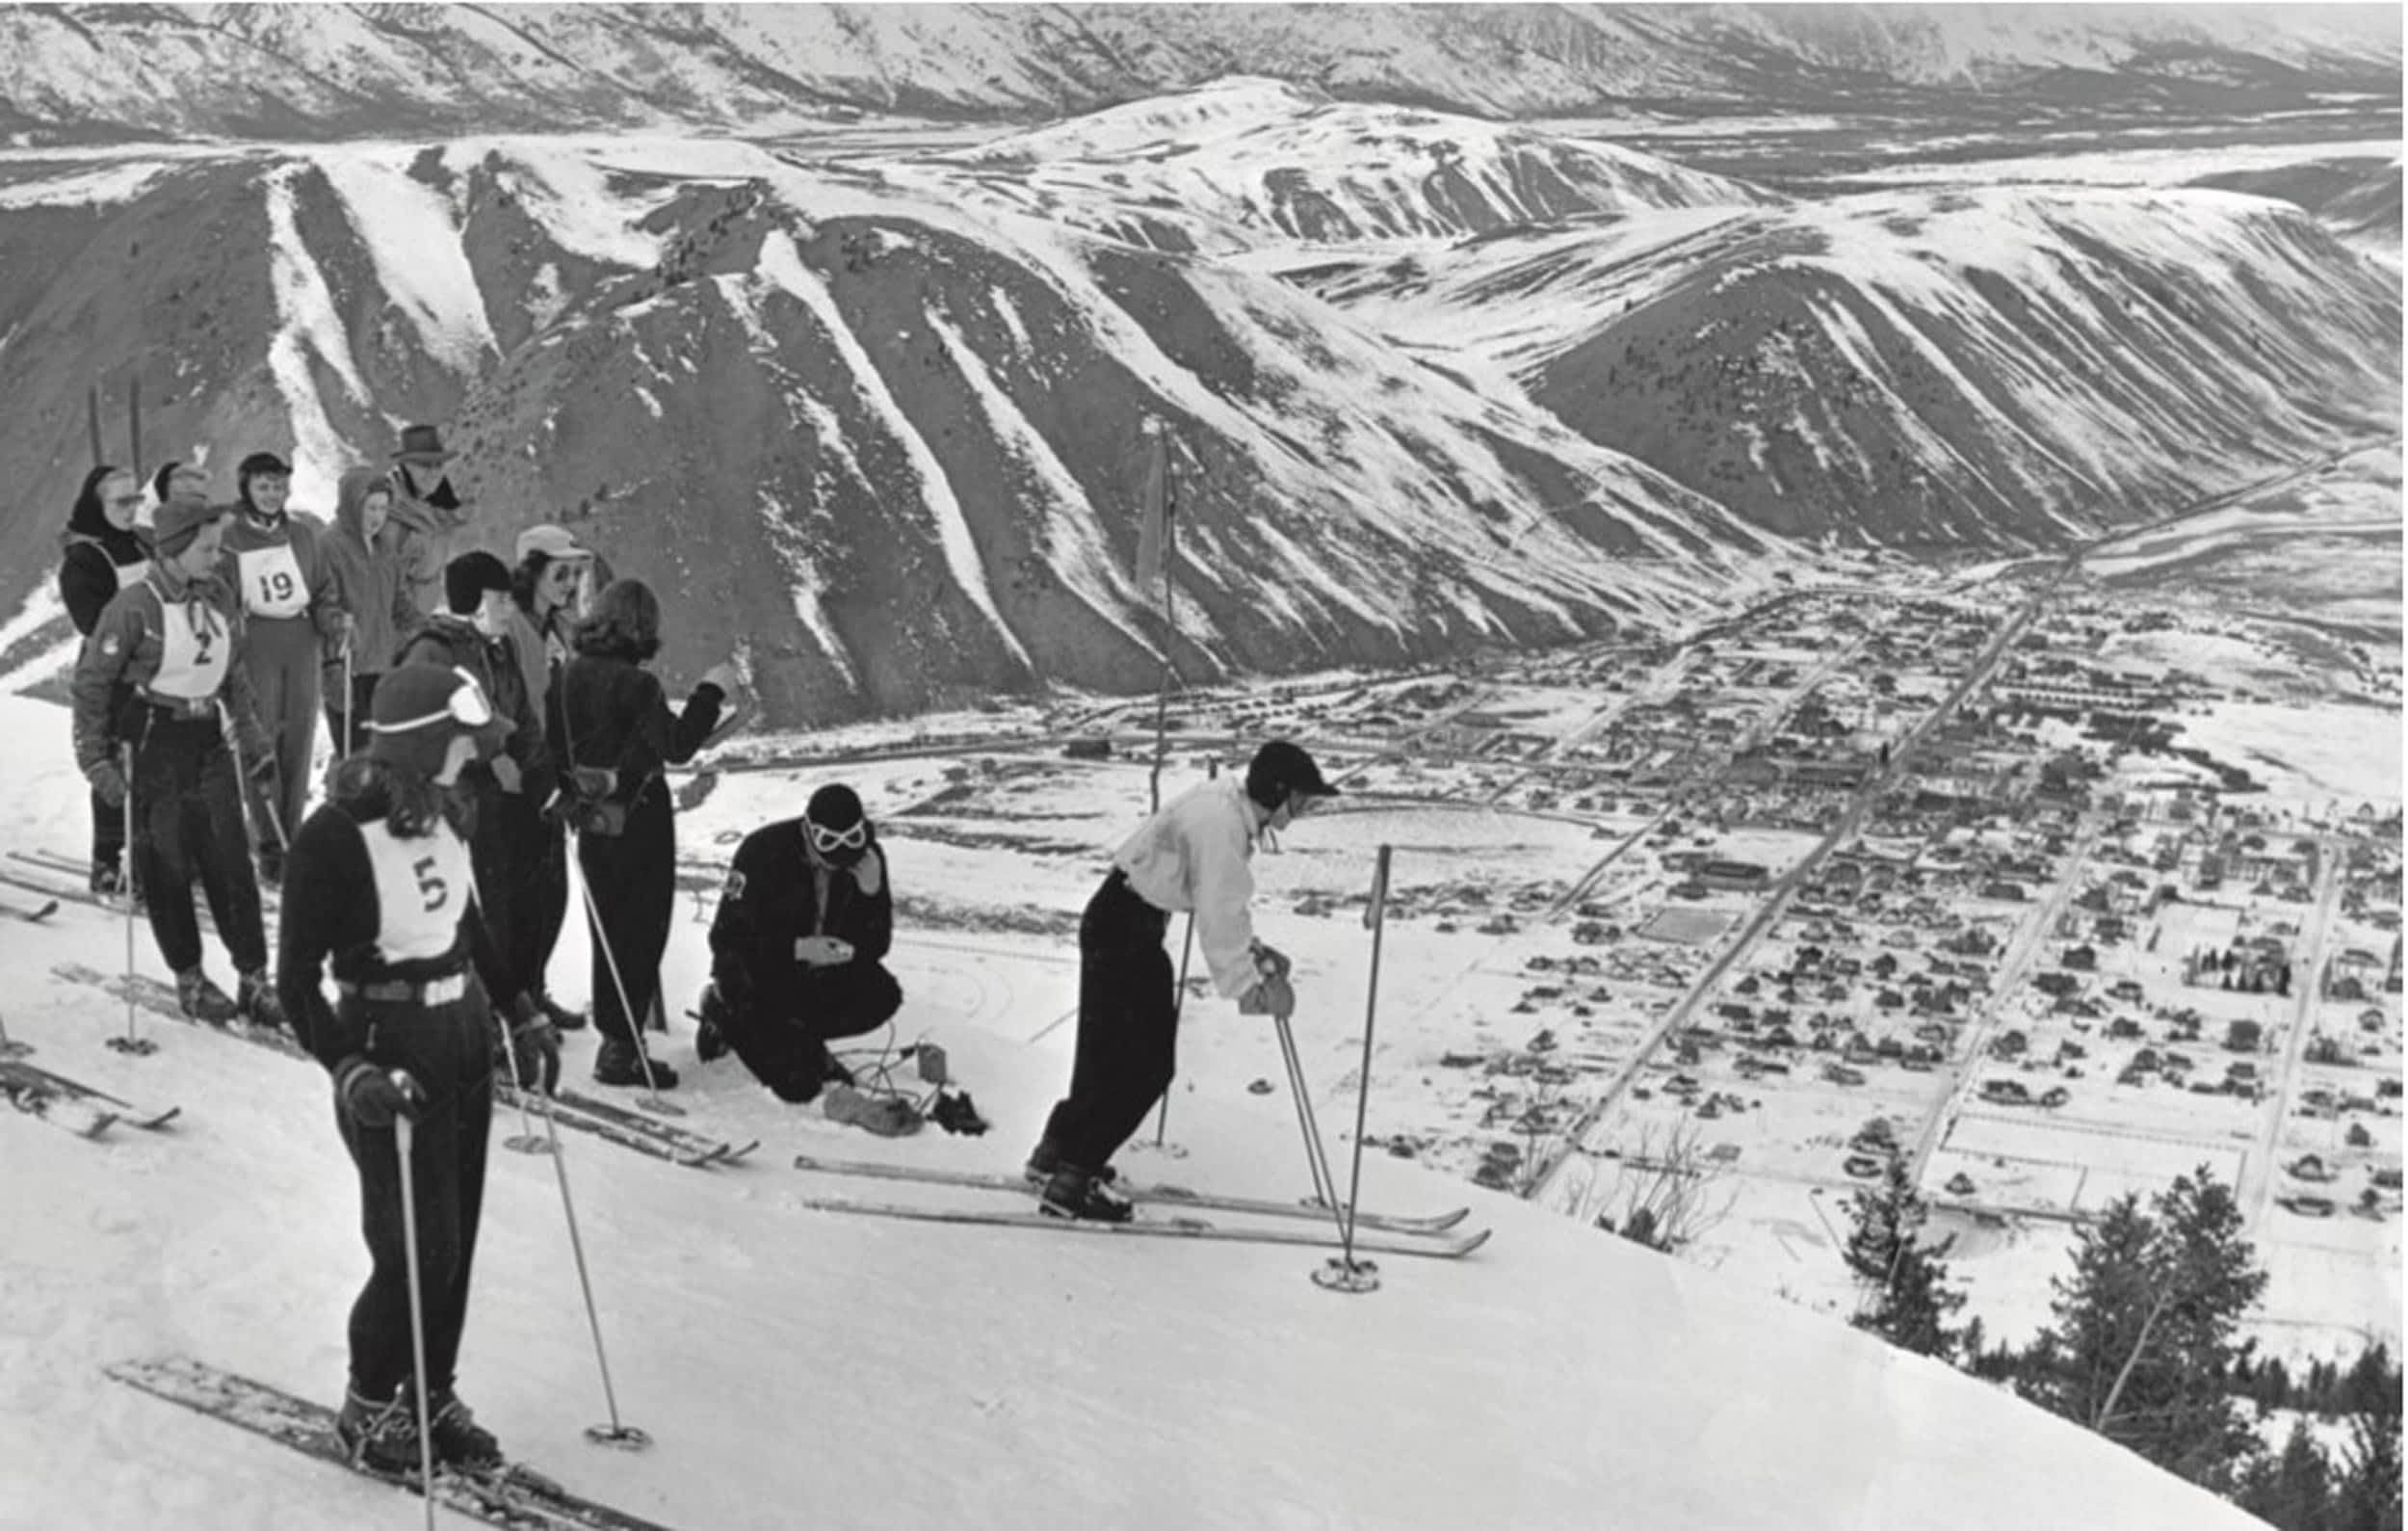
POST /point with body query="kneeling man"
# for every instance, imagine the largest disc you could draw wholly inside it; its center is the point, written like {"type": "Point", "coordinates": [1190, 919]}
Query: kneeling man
{"type": "Point", "coordinates": [798, 945]}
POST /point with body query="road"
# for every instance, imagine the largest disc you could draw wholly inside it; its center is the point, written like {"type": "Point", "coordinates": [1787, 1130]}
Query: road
{"type": "Point", "coordinates": [1545, 1184]}
{"type": "Point", "coordinates": [2013, 964]}
{"type": "Point", "coordinates": [2259, 1173]}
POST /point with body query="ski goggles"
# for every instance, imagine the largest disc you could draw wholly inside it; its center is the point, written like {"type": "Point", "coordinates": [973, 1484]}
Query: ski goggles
{"type": "Point", "coordinates": [465, 708]}
{"type": "Point", "coordinates": [827, 841]}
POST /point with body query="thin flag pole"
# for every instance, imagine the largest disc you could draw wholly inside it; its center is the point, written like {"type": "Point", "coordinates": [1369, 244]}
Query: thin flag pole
{"type": "Point", "coordinates": [1158, 510]}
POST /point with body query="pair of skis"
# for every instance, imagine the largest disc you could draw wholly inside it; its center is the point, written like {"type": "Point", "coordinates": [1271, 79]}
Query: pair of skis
{"type": "Point", "coordinates": [582, 1113]}
{"type": "Point", "coordinates": [515, 1497]}
{"type": "Point", "coordinates": [72, 1106]}
{"type": "Point", "coordinates": [1162, 1211]}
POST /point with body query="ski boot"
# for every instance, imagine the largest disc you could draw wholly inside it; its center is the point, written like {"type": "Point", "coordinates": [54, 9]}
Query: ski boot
{"type": "Point", "coordinates": [255, 996]}
{"type": "Point", "coordinates": [622, 1063]}
{"type": "Point", "coordinates": [559, 1015]}
{"type": "Point", "coordinates": [381, 1436]}
{"type": "Point", "coordinates": [458, 1441]}
{"type": "Point", "coordinates": [202, 1000]}
{"type": "Point", "coordinates": [108, 879]}
{"type": "Point", "coordinates": [1072, 1193]}
{"type": "Point", "coordinates": [1045, 1159]}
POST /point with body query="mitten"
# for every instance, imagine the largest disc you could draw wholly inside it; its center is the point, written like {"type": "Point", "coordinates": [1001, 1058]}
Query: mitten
{"type": "Point", "coordinates": [535, 1047]}
{"type": "Point", "coordinates": [372, 1097]}
{"type": "Point", "coordinates": [109, 782]}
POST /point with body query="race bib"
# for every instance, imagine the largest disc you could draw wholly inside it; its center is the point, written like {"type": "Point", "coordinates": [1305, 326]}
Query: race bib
{"type": "Point", "coordinates": [132, 574]}
{"type": "Point", "coordinates": [272, 581]}
{"type": "Point", "coordinates": [194, 642]}
{"type": "Point", "coordinates": [422, 887]}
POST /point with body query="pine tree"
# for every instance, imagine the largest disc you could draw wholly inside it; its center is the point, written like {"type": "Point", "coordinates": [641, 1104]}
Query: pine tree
{"type": "Point", "coordinates": [2368, 1496]}
{"type": "Point", "coordinates": [1908, 1299]}
{"type": "Point", "coordinates": [2142, 1348]}
{"type": "Point", "coordinates": [2292, 1490]}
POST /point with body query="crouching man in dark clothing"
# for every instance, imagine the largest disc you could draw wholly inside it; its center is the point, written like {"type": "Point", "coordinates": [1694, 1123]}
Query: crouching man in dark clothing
{"type": "Point", "coordinates": [798, 945]}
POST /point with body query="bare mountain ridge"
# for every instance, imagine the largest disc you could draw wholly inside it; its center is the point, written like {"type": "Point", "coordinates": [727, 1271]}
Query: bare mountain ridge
{"type": "Point", "coordinates": [895, 443]}
{"type": "Point", "coordinates": [83, 72]}
{"type": "Point", "coordinates": [1928, 370]}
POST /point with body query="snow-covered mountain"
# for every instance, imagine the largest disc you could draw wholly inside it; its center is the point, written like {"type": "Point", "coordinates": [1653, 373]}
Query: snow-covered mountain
{"type": "Point", "coordinates": [797, 1367]}
{"type": "Point", "coordinates": [899, 438]}
{"type": "Point", "coordinates": [1976, 367]}
{"type": "Point", "coordinates": [1229, 166]}
{"type": "Point", "coordinates": [89, 70]}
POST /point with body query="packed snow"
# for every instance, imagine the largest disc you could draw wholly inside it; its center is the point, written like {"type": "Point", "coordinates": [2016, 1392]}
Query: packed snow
{"type": "Point", "coordinates": [914, 1374]}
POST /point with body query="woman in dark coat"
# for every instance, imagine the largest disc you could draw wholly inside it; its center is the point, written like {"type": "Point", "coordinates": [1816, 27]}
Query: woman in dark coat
{"type": "Point", "coordinates": [104, 552]}
{"type": "Point", "coordinates": [611, 720]}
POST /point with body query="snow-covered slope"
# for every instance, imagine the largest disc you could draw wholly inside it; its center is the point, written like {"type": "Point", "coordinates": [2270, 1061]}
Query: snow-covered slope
{"type": "Point", "coordinates": [797, 1368]}
{"type": "Point", "coordinates": [88, 70]}
{"type": "Point", "coordinates": [1926, 368]}
{"type": "Point", "coordinates": [1231, 165]}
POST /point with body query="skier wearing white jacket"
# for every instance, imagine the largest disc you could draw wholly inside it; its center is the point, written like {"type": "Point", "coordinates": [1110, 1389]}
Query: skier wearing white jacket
{"type": "Point", "coordinates": [1190, 855]}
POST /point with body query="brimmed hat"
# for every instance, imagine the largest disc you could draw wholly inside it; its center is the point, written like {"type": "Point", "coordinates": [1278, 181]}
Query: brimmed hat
{"type": "Point", "coordinates": [177, 522]}
{"type": "Point", "coordinates": [1280, 768]}
{"type": "Point", "coordinates": [422, 444]}
{"type": "Point", "coordinates": [552, 541]}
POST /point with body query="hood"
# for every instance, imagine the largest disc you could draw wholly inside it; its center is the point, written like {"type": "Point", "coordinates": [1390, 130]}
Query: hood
{"type": "Point", "coordinates": [87, 521]}
{"type": "Point", "coordinates": [350, 498]}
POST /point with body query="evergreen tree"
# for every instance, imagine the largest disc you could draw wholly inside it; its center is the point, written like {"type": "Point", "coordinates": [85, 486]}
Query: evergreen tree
{"type": "Point", "coordinates": [2366, 1491]}
{"type": "Point", "coordinates": [2293, 1491]}
{"type": "Point", "coordinates": [1908, 1301]}
{"type": "Point", "coordinates": [2141, 1347]}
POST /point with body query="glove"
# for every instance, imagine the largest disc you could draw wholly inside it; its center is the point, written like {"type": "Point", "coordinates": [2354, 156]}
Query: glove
{"type": "Point", "coordinates": [1272, 996]}
{"type": "Point", "coordinates": [372, 1097]}
{"type": "Point", "coordinates": [535, 1047]}
{"type": "Point", "coordinates": [334, 627]}
{"type": "Point", "coordinates": [1270, 962]}
{"type": "Point", "coordinates": [108, 781]}
{"type": "Point", "coordinates": [261, 769]}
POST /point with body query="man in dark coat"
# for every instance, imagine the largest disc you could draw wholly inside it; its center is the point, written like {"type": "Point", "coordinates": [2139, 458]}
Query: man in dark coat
{"type": "Point", "coordinates": [474, 637]}
{"type": "Point", "coordinates": [799, 946]}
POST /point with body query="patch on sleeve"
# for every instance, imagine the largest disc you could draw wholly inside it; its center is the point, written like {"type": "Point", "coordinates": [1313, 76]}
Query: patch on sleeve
{"type": "Point", "coordinates": [735, 887]}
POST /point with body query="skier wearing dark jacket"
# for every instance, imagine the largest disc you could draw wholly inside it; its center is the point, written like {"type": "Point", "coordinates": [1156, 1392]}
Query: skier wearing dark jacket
{"type": "Point", "coordinates": [611, 731]}
{"type": "Point", "coordinates": [295, 615]}
{"type": "Point", "coordinates": [103, 552]}
{"type": "Point", "coordinates": [552, 568]}
{"type": "Point", "coordinates": [380, 886]}
{"type": "Point", "coordinates": [473, 636]}
{"type": "Point", "coordinates": [370, 579]}
{"type": "Point", "coordinates": [165, 655]}
{"type": "Point", "coordinates": [799, 946]}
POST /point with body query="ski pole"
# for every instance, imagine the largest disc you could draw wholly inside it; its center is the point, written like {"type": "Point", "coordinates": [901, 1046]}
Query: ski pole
{"type": "Point", "coordinates": [526, 1141]}
{"type": "Point", "coordinates": [129, 1042]}
{"type": "Point", "coordinates": [1179, 1001]}
{"type": "Point", "coordinates": [650, 1100]}
{"type": "Point", "coordinates": [404, 1132]}
{"type": "Point", "coordinates": [1179, 996]}
{"type": "Point", "coordinates": [1316, 1157]}
{"type": "Point", "coordinates": [351, 700]}
{"type": "Point", "coordinates": [1376, 917]}
{"type": "Point", "coordinates": [617, 1432]}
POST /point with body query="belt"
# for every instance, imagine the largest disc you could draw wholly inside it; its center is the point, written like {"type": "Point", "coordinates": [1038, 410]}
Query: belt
{"type": "Point", "coordinates": [184, 709]}
{"type": "Point", "coordinates": [399, 991]}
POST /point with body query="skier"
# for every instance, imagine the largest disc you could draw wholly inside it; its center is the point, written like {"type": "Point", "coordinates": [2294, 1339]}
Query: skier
{"type": "Point", "coordinates": [429, 511]}
{"type": "Point", "coordinates": [474, 638]}
{"type": "Point", "coordinates": [293, 605]}
{"type": "Point", "coordinates": [798, 947]}
{"type": "Point", "coordinates": [164, 655]}
{"type": "Point", "coordinates": [1191, 855]}
{"type": "Point", "coordinates": [380, 886]}
{"type": "Point", "coordinates": [550, 571]}
{"type": "Point", "coordinates": [611, 730]}
{"type": "Point", "coordinates": [103, 552]}
{"type": "Point", "coordinates": [365, 555]}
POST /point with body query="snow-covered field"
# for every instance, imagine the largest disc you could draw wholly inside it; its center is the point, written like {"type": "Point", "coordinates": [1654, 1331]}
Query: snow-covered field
{"type": "Point", "coordinates": [809, 1366]}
